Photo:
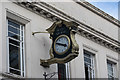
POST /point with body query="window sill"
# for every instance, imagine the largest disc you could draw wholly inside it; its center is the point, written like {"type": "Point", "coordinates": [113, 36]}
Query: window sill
{"type": "Point", "coordinates": [10, 75]}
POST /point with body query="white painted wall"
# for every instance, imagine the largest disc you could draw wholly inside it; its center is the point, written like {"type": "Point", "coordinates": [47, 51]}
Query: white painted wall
{"type": "Point", "coordinates": [101, 54]}
{"type": "Point", "coordinates": [0, 37]}
{"type": "Point", "coordinates": [88, 17]}
{"type": "Point", "coordinates": [37, 46]}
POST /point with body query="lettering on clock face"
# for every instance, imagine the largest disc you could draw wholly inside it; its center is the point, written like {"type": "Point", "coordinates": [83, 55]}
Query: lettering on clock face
{"type": "Point", "coordinates": [61, 44]}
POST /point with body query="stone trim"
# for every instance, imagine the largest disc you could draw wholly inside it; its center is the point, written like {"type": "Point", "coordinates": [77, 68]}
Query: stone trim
{"type": "Point", "coordinates": [38, 10]}
{"type": "Point", "coordinates": [99, 40]}
{"type": "Point", "coordinates": [10, 76]}
{"type": "Point", "coordinates": [89, 28]}
{"type": "Point", "coordinates": [99, 12]}
{"type": "Point", "coordinates": [83, 29]}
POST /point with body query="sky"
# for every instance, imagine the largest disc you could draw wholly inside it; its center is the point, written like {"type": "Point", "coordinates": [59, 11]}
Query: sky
{"type": "Point", "coordinates": [108, 6]}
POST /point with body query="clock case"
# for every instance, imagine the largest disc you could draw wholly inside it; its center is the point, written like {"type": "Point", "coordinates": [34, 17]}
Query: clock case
{"type": "Point", "coordinates": [62, 28]}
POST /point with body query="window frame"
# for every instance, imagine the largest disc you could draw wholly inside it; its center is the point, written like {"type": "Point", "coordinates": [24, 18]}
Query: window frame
{"type": "Point", "coordinates": [113, 68]}
{"type": "Point", "coordinates": [22, 54]}
{"type": "Point", "coordinates": [92, 55]}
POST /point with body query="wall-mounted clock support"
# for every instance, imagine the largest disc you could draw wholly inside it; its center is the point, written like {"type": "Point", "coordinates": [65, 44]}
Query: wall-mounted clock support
{"type": "Point", "coordinates": [49, 76]}
{"type": "Point", "coordinates": [33, 33]}
{"type": "Point", "coordinates": [64, 47]}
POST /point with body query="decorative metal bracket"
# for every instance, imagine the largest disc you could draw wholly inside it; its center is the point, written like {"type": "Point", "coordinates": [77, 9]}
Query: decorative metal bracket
{"type": "Point", "coordinates": [48, 62]}
{"type": "Point", "coordinates": [33, 33]}
{"type": "Point", "coordinates": [50, 74]}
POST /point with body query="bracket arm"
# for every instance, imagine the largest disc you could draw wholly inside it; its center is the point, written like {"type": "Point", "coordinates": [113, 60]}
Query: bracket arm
{"type": "Point", "coordinates": [33, 33]}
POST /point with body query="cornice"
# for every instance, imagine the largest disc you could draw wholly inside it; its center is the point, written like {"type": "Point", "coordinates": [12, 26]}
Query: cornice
{"type": "Point", "coordinates": [38, 10]}
{"type": "Point", "coordinates": [84, 30]}
{"type": "Point", "coordinates": [99, 40]}
{"type": "Point", "coordinates": [98, 12]}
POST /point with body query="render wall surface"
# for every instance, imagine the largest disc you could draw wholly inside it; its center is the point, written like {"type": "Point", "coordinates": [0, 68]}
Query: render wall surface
{"type": "Point", "coordinates": [101, 55]}
{"type": "Point", "coordinates": [87, 17]}
{"type": "Point", "coordinates": [0, 37]}
{"type": "Point", "coordinates": [37, 46]}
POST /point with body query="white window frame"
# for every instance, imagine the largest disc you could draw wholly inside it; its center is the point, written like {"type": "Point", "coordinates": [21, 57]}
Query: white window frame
{"type": "Point", "coordinates": [22, 55]}
{"type": "Point", "coordinates": [113, 67]}
{"type": "Point", "coordinates": [92, 58]}
{"type": "Point", "coordinates": [67, 65]}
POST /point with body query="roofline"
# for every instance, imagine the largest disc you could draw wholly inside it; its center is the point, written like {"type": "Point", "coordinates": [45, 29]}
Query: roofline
{"type": "Point", "coordinates": [98, 12]}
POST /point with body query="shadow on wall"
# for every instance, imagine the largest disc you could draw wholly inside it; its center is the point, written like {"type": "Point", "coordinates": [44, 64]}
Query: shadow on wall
{"type": "Point", "coordinates": [46, 44]}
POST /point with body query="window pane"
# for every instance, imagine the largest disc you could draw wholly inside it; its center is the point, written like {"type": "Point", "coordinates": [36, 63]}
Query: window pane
{"type": "Point", "coordinates": [13, 24]}
{"type": "Point", "coordinates": [21, 27]}
{"type": "Point", "coordinates": [16, 31]}
{"type": "Point", "coordinates": [86, 73]}
{"type": "Point", "coordinates": [13, 36]}
{"type": "Point", "coordinates": [22, 33]}
{"type": "Point", "coordinates": [16, 51]}
{"type": "Point", "coordinates": [88, 60]}
{"type": "Point", "coordinates": [14, 42]}
{"type": "Point", "coordinates": [15, 71]}
{"type": "Point", "coordinates": [86, 54]}
{"type": "Point", "coordinates": [89, 65]}
{"type": "Point", "coordinates": [22, 38]}
{"type": "Point", "coordinates": [61, 72]}
{"type": "Point", "coordinates": [14, 57]}
{"type": "Point", "coordinates": [110, 70]}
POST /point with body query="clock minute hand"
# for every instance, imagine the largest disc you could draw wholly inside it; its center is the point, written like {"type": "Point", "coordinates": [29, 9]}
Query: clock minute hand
{"type": "Point", "coordinates": [62, 44]}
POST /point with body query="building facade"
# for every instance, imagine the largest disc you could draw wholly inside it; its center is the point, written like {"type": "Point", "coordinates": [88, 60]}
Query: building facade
{"type": "Point", "coordinates": [20, 51]}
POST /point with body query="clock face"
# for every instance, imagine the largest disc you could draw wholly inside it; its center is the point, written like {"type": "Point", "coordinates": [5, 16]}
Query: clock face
{"type": "Point", "coordinates": [62, 44]}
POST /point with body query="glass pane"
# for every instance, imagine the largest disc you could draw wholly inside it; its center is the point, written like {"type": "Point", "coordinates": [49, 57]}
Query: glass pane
{"type": "Point", "coordinates": [22, 33]}
{"type": "Point", "coordinates": [89, 66]}
{"type": "Point", "coordinates": [14, 42]}
{"type": "Point", "coordinates": [14, 71]}
{"type": "Point", "coordinates": [86, 73]}
{"type": "Point", "coordinates": [13, 24]}
{"type": "Point", "coordinates": [86, 53]}
{"type": "Point", "coordinates": [22, 46]}
{"type": "Point", "coordinates": [110, 68]}
{"type": "Point", "coordinates": [110, 72]}
{"type": "Point", "coordinates": [16, 31]}
{"type": "Point", "coordinates": [14, 57]}
{"type": "Point", "coordinates": [21, 27]}
{"type": "Point", "coordinates": [22, 38]}
{"type": "Point", "coordinates": [110, 77]}
{"type": "Point", "coordinates": [23, 60]}
{"type": "Point", "coordinates": [61, 72]}
{"type": "Point", "coordinates": [13, 36]}
{"type": "Point", "coordinates": [88, 60]}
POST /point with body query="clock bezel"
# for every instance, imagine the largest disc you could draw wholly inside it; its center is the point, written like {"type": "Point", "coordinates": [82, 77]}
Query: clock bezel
{"type": "Point", "coordinates": [67, 47]}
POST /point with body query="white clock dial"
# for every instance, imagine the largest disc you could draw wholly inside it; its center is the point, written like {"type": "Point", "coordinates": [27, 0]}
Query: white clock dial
{"type": "Point", "coordinates": [62, 44]}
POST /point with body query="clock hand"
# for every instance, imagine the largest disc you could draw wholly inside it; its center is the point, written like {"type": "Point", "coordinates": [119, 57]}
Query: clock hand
{"type": "Point", "coordinates": [62, 44]}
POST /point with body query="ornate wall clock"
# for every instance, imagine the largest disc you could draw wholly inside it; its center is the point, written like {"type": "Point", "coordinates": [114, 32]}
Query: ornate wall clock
{"type": "Point", "coordinates": [61, 44]}
{"type": "Point", "coordinates": [64, 47]}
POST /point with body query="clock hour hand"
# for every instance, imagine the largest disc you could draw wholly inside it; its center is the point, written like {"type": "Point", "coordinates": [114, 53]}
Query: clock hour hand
{"type": "Point", "coordinates": [62, 44]}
